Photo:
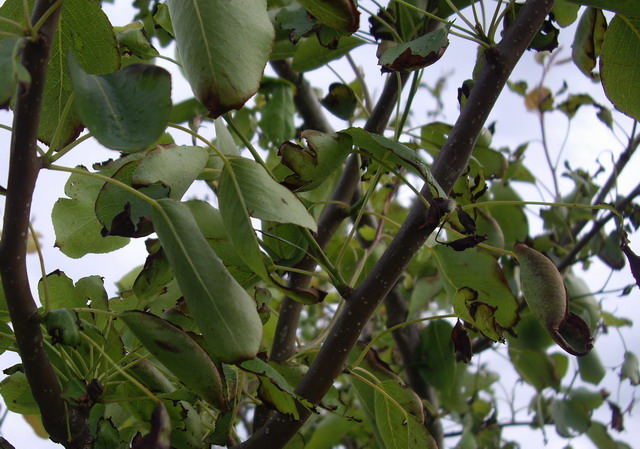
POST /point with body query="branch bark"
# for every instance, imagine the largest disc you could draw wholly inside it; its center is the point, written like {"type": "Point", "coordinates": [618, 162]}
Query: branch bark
{"type": "Point", "coordinates": [23, 171]}
{"type": "Point", "coordinates": [359, 306]}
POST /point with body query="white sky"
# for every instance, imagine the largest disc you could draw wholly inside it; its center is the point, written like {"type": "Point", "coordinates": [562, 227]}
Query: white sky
{"type": "Point", "coordinates": [588, 142]}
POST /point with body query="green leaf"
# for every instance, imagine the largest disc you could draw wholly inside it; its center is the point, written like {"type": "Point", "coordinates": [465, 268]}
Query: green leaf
{"type": "Point", "coordinates": [274, 388]}
{"type": "Point", "coordinates": [620, 64]}
{"type": "Point", "coordinates": [209, 221]}
{"type": "Point", "coordinates": [591, 368]}
{"type": "Point", "coordinates": [179, 353]}
{"type": "Point", "coordinates": [77, 229]}
{"type": "Point", "coordinates": [330, 431]}
{"type": "Point", "coordinates": [342, 15]}
{"type": "Point", "coordinates": [399, 428]}
{"type": "Point", "coordinates": [62, 292]}
{"type": "Point", "coordinates": [246, 190]}
{"type": "Point", "coordinates": [600, 437]}
{"type": "Point", "coordinates": [7, 341]}
{"type": "Point", "coordinates": [127, 110]}
{"type": "Point", "coordinates": [415, 54]}
{"type": "Point", "coordinates": [85, 30]}
{"type": "Point", "coordinates": [120, 211]}
{"type": "Point", "coordinates": [571, 417]}
{"type": "Point", "coordinates": [310, 55]}
{"type": "Point", "coordinates": [312, 165]}
{"type": "Point", "coordinates": [436, 356]}
{"type": "Point", "coordinates": [175, 167]}
{"type": "Point", "coordinates": [223, 310]}
{"type": "Point", "coordinates": [512, 220]}
{"type": "Point", "coordinates": [10, 51]}
{"type": "Point", "coordinates": [626, 7]}
{"type": "Point", "coordinates": [630, 368]}
{"type": "Point", "coordinates": [186, 110]}
{"type": "Point", "coordinates": [588, 40]}
{"type": "Point", "coordinates": [341, 101]}
{"type": "Point", "coordinates": [564, 12]}
{"type": "Point", "coordinates": [276, 119]}
{"type": "Point", "coordinates": [17, 396]}
{"type": "Point", "coordinates": [479, 271]}
{"type": "Point", "coordinates": [391, 152]}
{"type": "Point", "coordinates": [224, 47]}
{"type": "Point", "coordinates": [132, 40]}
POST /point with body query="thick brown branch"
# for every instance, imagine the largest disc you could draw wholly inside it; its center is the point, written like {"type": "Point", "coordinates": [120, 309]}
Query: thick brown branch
{"type": "Point", "coordinates": [23, 172]}
{"type": "Point", "coordinates": [360, 305]}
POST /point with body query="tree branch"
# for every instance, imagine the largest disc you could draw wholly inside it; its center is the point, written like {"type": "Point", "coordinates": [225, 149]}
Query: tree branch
{"type": "Point", "coordinates": [304, 98]}
{"type": "Point", "coordinates": [360, 305]}
{"type": "Point", "coordinates": [597, 225]}
{"type": "Point", "coordinates": [24, 166]}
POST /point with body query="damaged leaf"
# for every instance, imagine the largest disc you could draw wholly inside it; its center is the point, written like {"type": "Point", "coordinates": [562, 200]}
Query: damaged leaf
{"type": "Point", "coordinates": [416, 54]}
{"type": "Point", "coordinates": [315, 163]}
{"type": "Point", "coordinates": [342, 15]}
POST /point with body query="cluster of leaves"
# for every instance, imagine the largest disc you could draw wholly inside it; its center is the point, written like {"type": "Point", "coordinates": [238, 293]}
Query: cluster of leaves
{"type": "Point", "coordinates": [181, 354]}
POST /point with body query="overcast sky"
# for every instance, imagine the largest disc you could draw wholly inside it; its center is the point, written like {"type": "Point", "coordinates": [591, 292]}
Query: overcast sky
{"type": "Point", "coordinates": [588, 142]}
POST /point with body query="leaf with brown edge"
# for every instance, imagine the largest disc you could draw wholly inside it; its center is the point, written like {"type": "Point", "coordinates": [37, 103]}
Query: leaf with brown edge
{"type": "Point", "coordinates": [415, 54]}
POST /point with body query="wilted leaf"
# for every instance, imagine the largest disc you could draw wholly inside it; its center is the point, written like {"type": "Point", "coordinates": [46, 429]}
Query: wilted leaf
{"type": "Point", "coordinates": [312, 165]}
{"type": "Point", "coordinates": [588, 40]}
{"type": "Point", "coordinates": [224, 47]}
{"type": "Point", "coordinates": [133, 40]}
{"type": "Point", "coordinates": [342, 15]}
{"type": "Point", "coordinates": [479, 271]}
{"type": "Point", "coordinates": [416, 54]}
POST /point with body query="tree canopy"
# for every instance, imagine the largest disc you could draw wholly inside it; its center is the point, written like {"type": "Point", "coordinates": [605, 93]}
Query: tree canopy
{"type": "Point", "coordinates": [341, 267]}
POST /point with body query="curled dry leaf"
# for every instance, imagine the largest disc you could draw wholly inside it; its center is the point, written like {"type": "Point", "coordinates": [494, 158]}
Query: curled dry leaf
{"type": "Point", "coordinates": [546, 296]}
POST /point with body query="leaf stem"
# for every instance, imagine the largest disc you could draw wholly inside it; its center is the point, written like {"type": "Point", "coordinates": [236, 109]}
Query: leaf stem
{"type": "Point", "coordinates": [14, 24]}
{"type": "Point", "coordinates": [45, 16]}
{"type": "Point", "coordinates": [388, 330]}
{"type": "Point", "coordinates": [256, 156]}
{"type": "Point", "coordinates": [43, 271]}
{"type": "Point", "coordinates": [85, 172]}
{"type": "Point", "coordinates": [117, 367]}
